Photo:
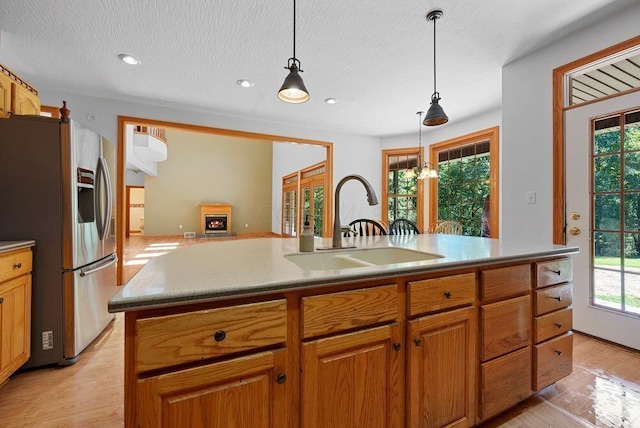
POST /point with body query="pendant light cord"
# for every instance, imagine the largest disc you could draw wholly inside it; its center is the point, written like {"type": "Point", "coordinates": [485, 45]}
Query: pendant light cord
{"type": "Point", "coordinates": [434, 52]}
{"type": "Point", "coordinates": [419, 141]}
{"type": "Point", "coordinates": [294, 32]}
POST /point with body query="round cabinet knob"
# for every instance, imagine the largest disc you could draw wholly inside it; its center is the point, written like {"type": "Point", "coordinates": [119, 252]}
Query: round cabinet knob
{"type": "Point", "coordinates": [574, 231]}
{"type": "Point", "coordinates": [282, 378]}
{"type": "Point", "coordinates": [1, 300]}
{"type": "Point", "coordinates": [558, 324]}
{"type": "Point", "coordinates": [17, 266]}
{"type": "Point", "coordinates": [396, 346]}
{"type": "Point", "coordinates": [557, 272]}
{"type": "Point", "coordinates": [418, 342]}
{"type": "Point", "coordinates": [219, 336]}
{"type": "Point", "coordinates": [559, 298]}
{"type": "Point", "coordinates": [559, 352]}
{"type": "Point", "coordinates": [447, 294]}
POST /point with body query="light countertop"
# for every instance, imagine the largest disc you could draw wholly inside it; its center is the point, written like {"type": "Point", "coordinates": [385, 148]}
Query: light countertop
{"type": "Point", "coordinates": [224, 269]}
{"type": "Point", "coordinates": [15, 245]}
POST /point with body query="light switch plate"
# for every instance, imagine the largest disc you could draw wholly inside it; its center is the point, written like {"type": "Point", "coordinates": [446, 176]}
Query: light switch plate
{"type": "Point", "coordinates": [531, 197]}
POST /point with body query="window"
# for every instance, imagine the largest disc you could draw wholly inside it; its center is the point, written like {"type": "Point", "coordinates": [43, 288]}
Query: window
{"type": "Point", "coordinates": [616, 208]}
{"type": "Point", "coordinates": [290, 205]}
{"type": "Point", "coordinates": [467, 186]}
{"type": "Point", "coordinates": [402, 196]}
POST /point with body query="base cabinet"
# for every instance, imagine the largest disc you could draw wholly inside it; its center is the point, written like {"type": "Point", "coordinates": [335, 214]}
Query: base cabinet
{"type": "Point", "coordinates": [242, 392]}
{"type": "Point", "coordinates": [353, 380]}
{"type": "Point", "coordinates": [441, 370]}
{"type": "Point", "coordinates": [15, 311]}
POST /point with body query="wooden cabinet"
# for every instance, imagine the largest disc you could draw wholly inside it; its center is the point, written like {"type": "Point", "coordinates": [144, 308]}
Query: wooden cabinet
{"type": "Point", "coordinates": [242, 392]}
{"type": "Point", "coordinates": [441, 369]}
{"type": "Point", "coordinates": [428, 350]}
{"type": "Point", "coordinates": [15, 310]}
{"type": "Point", "coordinates": [353, 380]}
{"type": "Point", "coordinates": [505, 338]}
{"type": "Point", "coordinates": [553, 340]}
{"type": "Point", "coordinates": [16, 95]}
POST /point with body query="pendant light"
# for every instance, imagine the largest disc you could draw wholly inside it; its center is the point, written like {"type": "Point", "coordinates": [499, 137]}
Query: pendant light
{"type": "Point", "coordinates": [293, 89]}
{"type": "Point", "coordinates": [435, 114]}
{"type": "Point", "coordinates": [423, 169]}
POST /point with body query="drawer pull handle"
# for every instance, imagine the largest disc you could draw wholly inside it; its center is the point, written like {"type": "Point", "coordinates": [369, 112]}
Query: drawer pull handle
{"type": "Point", "coordinates": [557, 272]}
{"type": "Point", "coordinates": [558, 324]}
{"type": "Point", "coordinates": [558, 298]}
{"type": "Point", "coordinates": [396, 346]}
{"type": "Point", "coordinates": [559, 352]}
{"type": "Point", "coordinates": [447, 294]}
{"type": "Point", "coordinates": [17, 266]}
{"type": "Point", "coordinates": [219, 336]}
{"type": "Point", "coordinates": [282, 378]}
{"type": "Point", "coordinates": [418, 342]}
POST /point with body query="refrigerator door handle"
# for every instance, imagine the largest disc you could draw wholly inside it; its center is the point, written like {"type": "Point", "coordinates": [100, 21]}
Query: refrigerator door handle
{"type": "Point", "coordinates": [113, 259]}
{"type": "Point", "coordinates": [103, 181]}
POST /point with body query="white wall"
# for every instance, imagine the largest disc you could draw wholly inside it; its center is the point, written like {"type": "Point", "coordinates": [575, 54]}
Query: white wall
{"type": "Point", "coordinates": [527, 124]}
{"type": "Point", "coordinates": [437, 134]}
{"type": "Point", "coordinates": [352, 153]}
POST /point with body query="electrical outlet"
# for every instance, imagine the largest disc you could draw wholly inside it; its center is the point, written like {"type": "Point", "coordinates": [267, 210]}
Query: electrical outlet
{"type": "Point", "coordinates": [47, 340]}
{"type": "Point", "coordinates": [189, 234]}
{"type": "Point", "coordinates": [531, 197]}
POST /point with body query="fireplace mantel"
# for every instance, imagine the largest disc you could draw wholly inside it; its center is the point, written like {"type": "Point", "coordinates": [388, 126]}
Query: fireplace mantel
{"type": "Point", "coordinates": [215, 209]}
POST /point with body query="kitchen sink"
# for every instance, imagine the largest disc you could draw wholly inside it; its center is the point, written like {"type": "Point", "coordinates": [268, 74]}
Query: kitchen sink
{"type": "Point", "coordinates": [362, 257]}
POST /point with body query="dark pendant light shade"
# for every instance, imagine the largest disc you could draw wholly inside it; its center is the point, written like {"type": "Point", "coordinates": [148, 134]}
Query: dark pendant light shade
{"type": "Point", "coordinates": [435, 114]}
{"type": "Point", "coordinates": [293, 89]}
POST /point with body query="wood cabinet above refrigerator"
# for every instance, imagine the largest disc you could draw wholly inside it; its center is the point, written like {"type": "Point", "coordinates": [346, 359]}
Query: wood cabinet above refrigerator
{"type": "Point", "coordinates": [16, 95]}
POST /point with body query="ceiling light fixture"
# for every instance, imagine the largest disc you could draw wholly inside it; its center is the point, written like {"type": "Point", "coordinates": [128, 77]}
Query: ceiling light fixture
{"type": "Point", "coordinates": [293, 89]}
{"type": "Point", "coordinates": [423, 169]}
{"type": "Point", "coordinates": [330, 100]}
{"type": "Point", "coordinates": [128, 59]}
{"type": "Point", "coordinates": [435, 114]}
{"type": "Point", "coordinates": [244, 83]}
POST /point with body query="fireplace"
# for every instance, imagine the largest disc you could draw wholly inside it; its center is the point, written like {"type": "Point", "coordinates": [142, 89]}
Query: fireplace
{"type": "Point", "coordinates": [215, 219]}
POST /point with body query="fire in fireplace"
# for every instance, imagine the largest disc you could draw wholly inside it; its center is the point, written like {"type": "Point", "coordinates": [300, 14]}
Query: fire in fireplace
{"type": "Point", "coordinates": [215, 223]}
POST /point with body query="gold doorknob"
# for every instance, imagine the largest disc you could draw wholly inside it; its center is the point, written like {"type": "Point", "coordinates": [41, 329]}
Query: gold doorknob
{"type": "Point", "coordinates": [574, 231]}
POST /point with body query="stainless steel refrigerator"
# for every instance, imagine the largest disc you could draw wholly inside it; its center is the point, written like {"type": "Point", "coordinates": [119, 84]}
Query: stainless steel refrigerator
{"type": "Point", "coordinates": [56, 188]}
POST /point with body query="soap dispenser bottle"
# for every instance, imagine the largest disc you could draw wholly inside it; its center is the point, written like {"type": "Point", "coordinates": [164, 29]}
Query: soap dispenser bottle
{"type": "Point", "coordinates": [306, 237]}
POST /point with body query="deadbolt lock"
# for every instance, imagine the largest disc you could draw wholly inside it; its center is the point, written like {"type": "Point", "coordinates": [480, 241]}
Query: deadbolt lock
{"type": "Point", "coordinates": [575, 216]}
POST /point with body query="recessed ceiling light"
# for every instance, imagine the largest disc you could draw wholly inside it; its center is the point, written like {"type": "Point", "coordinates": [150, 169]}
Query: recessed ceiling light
{"type": "Point", "coordinates": [128, 59]}
{"type": "Point", "coordinates": [244, 83]}
{"type": "Point", "coordinates": [330, 100]}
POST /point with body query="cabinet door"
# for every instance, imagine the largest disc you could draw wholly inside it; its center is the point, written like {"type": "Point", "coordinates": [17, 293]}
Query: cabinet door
{"type": "Point", "coordinates": [5, 94]}
{"type": "Point", "coordinates": [243, 392]}
{"type": "Point", "coordinates": [353, 380]}
{"type": "Point", "coordinates": [441, 370]}
{"type": "Point", "coordinates": [15, 322]}
{"type": "Point", "coordinates": [24, 101]}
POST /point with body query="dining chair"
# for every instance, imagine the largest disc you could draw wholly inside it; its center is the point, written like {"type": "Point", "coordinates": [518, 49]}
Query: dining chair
{"type": "Point", "coordinates": [450, 227]}
{"type": "Point", "coordinates": [367, 227]}
{"type": "Point", "coordinates": [403, 226]}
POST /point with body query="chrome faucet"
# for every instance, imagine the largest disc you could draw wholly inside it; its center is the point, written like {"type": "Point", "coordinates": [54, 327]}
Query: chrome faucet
{"type": "Point", "coordinates": [371, 198]}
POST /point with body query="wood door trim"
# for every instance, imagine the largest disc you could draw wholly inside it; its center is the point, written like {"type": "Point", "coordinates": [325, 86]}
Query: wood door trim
{"type": "Point", "coordinates": [559, 158]}
{"type": "Point", "coordinates": [123, 121]}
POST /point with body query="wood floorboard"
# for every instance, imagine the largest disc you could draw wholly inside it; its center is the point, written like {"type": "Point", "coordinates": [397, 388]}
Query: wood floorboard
{"type": "Point", "coordinates": [602, 391]}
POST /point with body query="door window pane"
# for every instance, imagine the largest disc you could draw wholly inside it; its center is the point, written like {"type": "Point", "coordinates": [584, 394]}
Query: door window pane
{"type": "Point", "coordinates": [632, 171]}
{"type": "Point", "coordinates": [607, 173]}
{"type": "Point", "coordinates": [607, 212]}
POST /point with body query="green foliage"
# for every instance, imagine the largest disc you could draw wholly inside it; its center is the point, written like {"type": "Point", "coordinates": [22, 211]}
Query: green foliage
{"type": "Point", "coordinates": [402, 194]}
{"type": "Point", "coordinates": [463, 185]}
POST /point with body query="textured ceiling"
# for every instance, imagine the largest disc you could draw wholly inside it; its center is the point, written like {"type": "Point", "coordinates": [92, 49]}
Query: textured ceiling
{"type": "Point", "coordinates": [375, 56]}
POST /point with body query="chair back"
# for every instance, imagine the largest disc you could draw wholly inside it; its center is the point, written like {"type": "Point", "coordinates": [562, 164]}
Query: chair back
{"type": "Point", "coordinates": [403, 226]}
{"type": "Point", "coordinates": [446, 226]}
{"type": "Point", "coordinates": [367, 227]}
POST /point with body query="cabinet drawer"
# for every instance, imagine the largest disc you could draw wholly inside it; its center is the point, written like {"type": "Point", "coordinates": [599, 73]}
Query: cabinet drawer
{"type": "Point", "coordinates": [552, 361]}
{"type": "Point", "coordinates": [330, 313]}
{"type": "Point", "coordinates": [552, 324]}
{"type": "Point", "coordinates": [14, 264]}
{"type": "Point", "coordinates": [504, 382]}
{"type": "Point", "coordinates": [506, 326]}
{"type": "Point", "coordinates": [505, 282]}
{"type": "Point", "coordinates": [553, 272]}
{"type": "Point", "coordinates": [175, 339]}
{"type": "Point", "coordinates": [552, 298]}
{"type": "Point", "coordinates": [441, 293]}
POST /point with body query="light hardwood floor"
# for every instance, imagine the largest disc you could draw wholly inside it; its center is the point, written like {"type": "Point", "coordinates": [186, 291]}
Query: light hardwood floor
{"type": "Point", "coordinates": [603, 390]}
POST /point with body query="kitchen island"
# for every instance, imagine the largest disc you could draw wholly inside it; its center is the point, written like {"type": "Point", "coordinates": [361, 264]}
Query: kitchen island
{"type": "Point", "coordinates": [236, 334]}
